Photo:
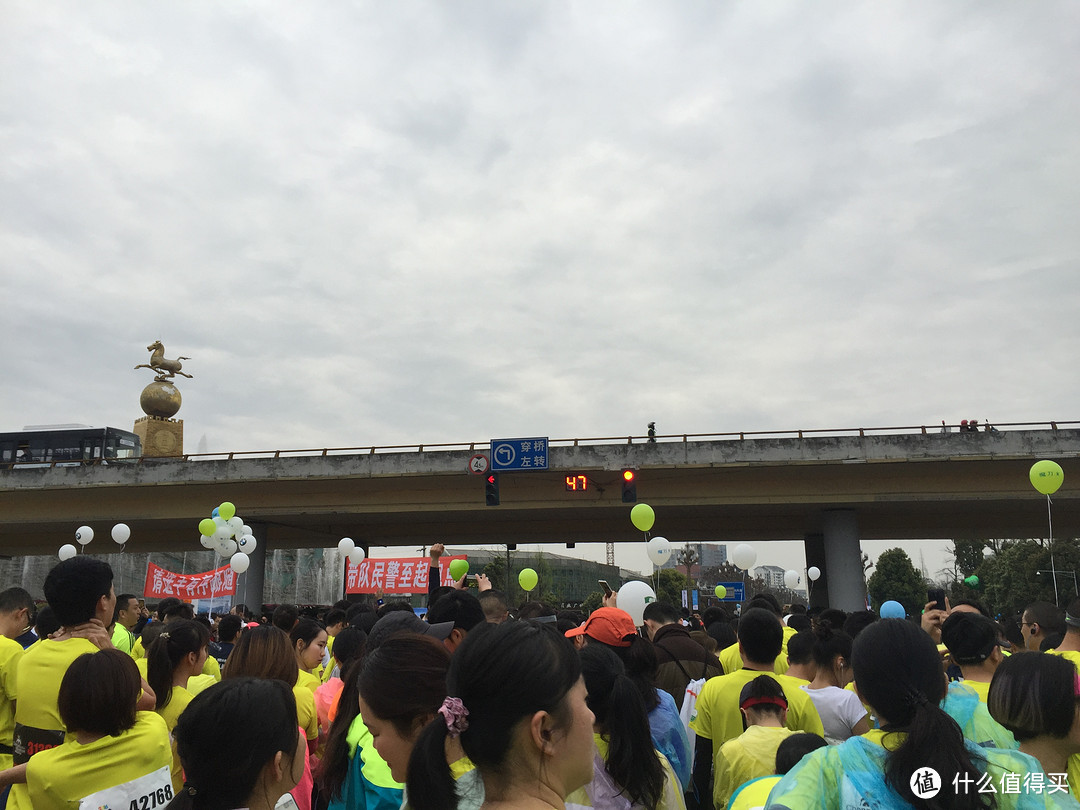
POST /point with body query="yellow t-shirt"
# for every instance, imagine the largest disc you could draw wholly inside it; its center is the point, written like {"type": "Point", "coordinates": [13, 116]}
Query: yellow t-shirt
{"type": "Point", "coordinates": [58, 778]}
{"type": "Point", "coordinates": [122, 638]}
{"type": "Point", "coordinates": [308, 681]}
{"type": "Point", "coordinates": [212, 667]}
{"type": "Point", "coordinates": [37, 718]}
{"type": "Point", "coordinates": [11, 653]}
{"type": "Point", "coordinates": [171, 712]}
{"type": "Point", "coordinates": [981, 688]}
{"type": "Point", "coordinates": [717, 716]}
{"type": "Point", "coordinates": [753, 795]}
{"type": "Point", "coordinates": [730, 659]}
{"type": "Point", "coordinates": [137, 651]}
{"type": "Point", "coordinates": [306, 716]}
{"type": "Point", "coordinates": [748, 756]}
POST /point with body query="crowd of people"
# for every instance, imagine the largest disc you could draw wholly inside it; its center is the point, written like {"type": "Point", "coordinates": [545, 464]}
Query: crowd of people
{"type": "Point", "coordinates": [485, 705]}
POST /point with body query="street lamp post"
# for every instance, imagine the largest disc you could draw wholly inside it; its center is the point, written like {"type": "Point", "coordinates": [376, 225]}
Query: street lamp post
{"type": "Point", "coordinates": [1054, 573]}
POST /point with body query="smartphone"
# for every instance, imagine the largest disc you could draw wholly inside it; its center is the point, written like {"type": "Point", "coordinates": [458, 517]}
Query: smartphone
{"type": "Point", "coordinates": [604, 587]}
{"type": "Point", "coordinates": [937, 596]}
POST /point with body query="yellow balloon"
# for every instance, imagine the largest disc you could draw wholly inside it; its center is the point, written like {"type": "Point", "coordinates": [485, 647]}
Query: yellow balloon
{"type": "Point", "coordinates": [1046, 476]}
{"type": "Point", "coordinates": [226, 510]}
{"type": "Point", "coordinates": [527, 579]}
{"type": "Point", "coordinates": [721, 591]}
{"type": "Point", "coordinates": [643, 517]}
{"type": "Point", "coordinates": [207, 526]}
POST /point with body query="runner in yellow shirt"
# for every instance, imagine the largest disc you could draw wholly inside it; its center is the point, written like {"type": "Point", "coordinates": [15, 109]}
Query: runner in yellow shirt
{"type": "Point", "coordinates": [16, 610]}
{"type": "Point", "coordinates": [113, 755]}
{"type": "Point", "coordinates": [176, 655]}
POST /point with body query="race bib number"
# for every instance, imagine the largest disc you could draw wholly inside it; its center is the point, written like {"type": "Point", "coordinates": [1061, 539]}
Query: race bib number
{"type": "Point", "coordinates": [286, 802]}
{"type": "Point", "coordinates": [28, 741]}
{"type": "Point", "coordinates": [145, 793]}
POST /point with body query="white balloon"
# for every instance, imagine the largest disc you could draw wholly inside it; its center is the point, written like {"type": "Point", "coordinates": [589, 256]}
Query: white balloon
{"type": "Point", "coordinates": [245, 529]}
{"type": "Point", "coordinates": [633, 597]}
{"type": "Point", "coordinates": [121, 532]}
{"type": "Point", "coordinates": [791, 579]}
{"type": "Point", "coordinates": [222, 534]}
{"type": "Point", "coordinates": [227, 548]}
{"type": "Point", "coordinates": [83, 535]}
{"type": "Point", "coordinates": [207, 542]}
{"type": "Point", "coordinates": [812, 573]}
{"type": "Point", "coordinates": [744, 556]}
{"type": "Point", "coordinates": [220, 521]}
{"type": "Point", "coordinates": [246, 543]}
{"type": "Point", "coordinates": [235, 523]}
{"type": "Point", "coordinates": [659, 550]}
{"type": "Point", "coordinates": [67, 551]}
{"type": "Point", "coordinates": [356, 556]}
{"type": "Point", "coordinates": [345, 545]}
{"type": "Point", "coordinates": [239, 562]}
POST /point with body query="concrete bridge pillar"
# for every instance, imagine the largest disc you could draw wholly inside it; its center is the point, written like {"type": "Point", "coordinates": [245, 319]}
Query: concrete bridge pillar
{"type": "Point", "coordinates": [250, 585]}
{"type": "Point", "coordinates": [843, 560]}
{"type": "Point", "coordinates": [814, 548]}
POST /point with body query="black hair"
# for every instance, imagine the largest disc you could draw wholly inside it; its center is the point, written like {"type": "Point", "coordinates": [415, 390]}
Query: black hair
{"type": "Point", "coordinates": [858, 621]}
{"type": "Point", "coordinates": [833, 616]}
{"type": "Point", "coordinates": [74, 586]}
{"type": "Point", "coordinates": [305, 630]}
{"type": "Point", "coordinates": [761, 635]}
{"type": "Point", "coordinates": [568, 620]}
{"type": "Point", "coordinates": [662, 613]}
{"type": "Point", "coordinates": [16, 598]}
{"type": "Point", "coordinates": [763, 686]}
{"type": "Point", "coordinates": [722, 633]}
{"type": "Point", "coordinates": [333, 767]}
{"type": "Point", "coordinates": [800, 648]}
{"type": "Point", "coordinates": [534, 610]}
{"type": "Point", "coordinates": [405, 680]}
{"type": "Point", "coordinates": [1047, 616]}
{"type": "Point", "coordinates": [46, 624]}
{"type": "Point", "coordinates": [334, 616]}
{"type": "Point", "coordinates": [285, 617]}
{"type": "Point", "coordinates": [99, 692]}
{"type": "Point", "coordinates": [438, 593]}
{"type": "Point", "coordinates": [181, 637]}
{"type": "Point", "coordinates": [122, 600]}
{"type": "Point", "coordinates": [253, 718]}
{"type": "Point", "coordinates": [765, 601]}
{"type": "Point", "coordinates": [502, 673]}
{"type": "Point", "coordinates": [394, 604]}
{"type": "Point", "coordinates": [641, 664]}
{"type": "Point", "coordinates": [180, 610]}
{"type": "Point", "coordinates": [621, 716]}
{"type": "Point", "coordinates": [714, 614]}
{"type": "Point", "coordinates": [799, 622]}
{"type": "Point", "coordinates": [1052, 641]}
{"type": "Point", "coordinates": [794, 748]}
{"type": "Point", "coordinates": [828, 644]}
{"type": "Point", "coordinates": [1034, 696]}
{"type": "Point", "coordinates": [975, 603]}
{"type": "Point", "coordinates": [898, 670]}
{"type": "Point", "coordinates": [459, 607]}
{"type": "Point", "coordinates": [349, 645]}
{"type": "Point", "coordinates": [228, 627]}
{"type": "Point", "coordinates": [165, 604]}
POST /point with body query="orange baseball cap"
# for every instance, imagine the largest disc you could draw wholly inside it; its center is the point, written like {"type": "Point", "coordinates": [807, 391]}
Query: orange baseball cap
{"type": "Point", "coordinates": [608, 625]}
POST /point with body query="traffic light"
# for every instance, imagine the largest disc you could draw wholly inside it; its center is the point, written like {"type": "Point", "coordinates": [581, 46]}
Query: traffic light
{"type": "Point", "coordinates": [629, 486]}
{"type": "Point", "coordinates": [491, 489]}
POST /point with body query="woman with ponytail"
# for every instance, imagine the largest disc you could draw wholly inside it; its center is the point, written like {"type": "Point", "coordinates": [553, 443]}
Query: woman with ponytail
{"type": "Point", "coordinates": [516, 703]}
{"type": "Point", "coordinates": [842, 713]}
{"type": "Point", "coordinates": [240, 746]}
{"type": "Point", "coordinates": [178, 653]}
{"type": "Point", "coordinates": [628, 772]}
{"type": "Point", "coordinates": [898, 673]}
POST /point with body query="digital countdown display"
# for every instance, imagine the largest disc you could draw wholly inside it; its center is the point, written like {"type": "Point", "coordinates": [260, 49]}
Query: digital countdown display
{"type": "Point", "coordinates": [577, 483]}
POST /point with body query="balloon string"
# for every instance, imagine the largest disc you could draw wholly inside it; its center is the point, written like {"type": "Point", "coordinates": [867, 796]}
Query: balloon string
{"type": "Point", "coordinates": [1050, 519]}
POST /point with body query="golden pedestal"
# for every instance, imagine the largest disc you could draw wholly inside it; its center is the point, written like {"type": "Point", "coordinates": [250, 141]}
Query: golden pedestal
{"type": "Point", "coordinates": [161, 438]}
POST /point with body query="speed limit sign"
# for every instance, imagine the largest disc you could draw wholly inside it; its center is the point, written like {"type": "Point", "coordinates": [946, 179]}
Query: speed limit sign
{"type": "Point", "coordinates": [478, 464]}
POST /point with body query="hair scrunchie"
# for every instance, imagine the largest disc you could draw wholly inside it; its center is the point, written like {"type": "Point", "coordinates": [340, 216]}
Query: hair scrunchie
{"type": "Point", "coordinates": [455, 714]}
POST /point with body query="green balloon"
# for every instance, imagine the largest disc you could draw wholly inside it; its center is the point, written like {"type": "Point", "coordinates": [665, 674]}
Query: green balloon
{"type": "Point", "coordinates": [458, 569]}
{"type": "Point", "coordinates": [721, 591]}
{"type": "Point", "coordinates": [527, 579]}
{"type": "Point", "coordinates": [643, 517]}
{"type": "Point", "coordinates": [972, 581]}
{"type": "Point", "coordinates": [226, 510]}
{"type": "Point", "coordinates": [1046, 476]}
{"type": "Point", "coordinates": [207, 527]}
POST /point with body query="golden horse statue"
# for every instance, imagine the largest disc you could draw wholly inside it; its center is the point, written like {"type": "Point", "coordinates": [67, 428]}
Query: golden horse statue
{"type": "Point", "coordinates": [166, 369]}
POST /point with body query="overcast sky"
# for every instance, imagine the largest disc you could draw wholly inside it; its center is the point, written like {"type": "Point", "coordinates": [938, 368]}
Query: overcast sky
{"type": "Point", "coordinates": [384, 223]}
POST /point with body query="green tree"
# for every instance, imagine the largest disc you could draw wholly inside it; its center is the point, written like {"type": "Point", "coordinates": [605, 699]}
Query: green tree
{"type": "Point", "coordinates": [592, 602]}
{"type": "Point", "coordinates": [895, 578]}
{"type": "Point", "coordinates": [496, 573]}
{"type": "Point", "coordinates": [1010, 579]}
{"type": "Point", "coordinates": [672, 584]}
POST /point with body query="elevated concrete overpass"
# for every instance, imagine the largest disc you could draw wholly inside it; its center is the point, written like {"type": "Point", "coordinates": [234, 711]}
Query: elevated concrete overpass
{"type": "Point", "coordinates": [827, 490]}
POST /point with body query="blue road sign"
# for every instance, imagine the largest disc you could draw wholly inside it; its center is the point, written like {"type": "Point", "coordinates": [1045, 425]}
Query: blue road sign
{"type": "Point", "coordinates": [519, 454]}
{"type": "Point", "coordinates": [736, 591]}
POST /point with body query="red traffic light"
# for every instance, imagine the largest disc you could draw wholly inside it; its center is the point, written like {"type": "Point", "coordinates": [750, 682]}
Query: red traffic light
{"type": "Point", "coordinates": [628, 475]}
{"type": "Point", "coordinates": [491, 478]}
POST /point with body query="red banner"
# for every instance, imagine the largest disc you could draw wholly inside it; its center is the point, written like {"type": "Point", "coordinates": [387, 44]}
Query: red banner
{"type": "Point", "coordinates": [396, 575]}
{"type": "Point", "coordinates": [161, 583]}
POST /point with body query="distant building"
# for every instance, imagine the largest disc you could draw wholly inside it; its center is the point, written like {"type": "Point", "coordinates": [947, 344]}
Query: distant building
{"type": "Point", "coordinates": [773, 575]}
{"type": "Point", "coordinates": [572, 579]}
{"type": "Point", "coordinates": [710, 555]}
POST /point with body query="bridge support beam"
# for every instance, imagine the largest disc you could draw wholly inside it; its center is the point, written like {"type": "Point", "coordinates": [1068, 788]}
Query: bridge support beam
{"type": "Point", "coordinates": [814, 548]}
{"type": "Point", "coordinates": [250, 590]}
{"type": "Point", "coordinates": [843, 560]}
